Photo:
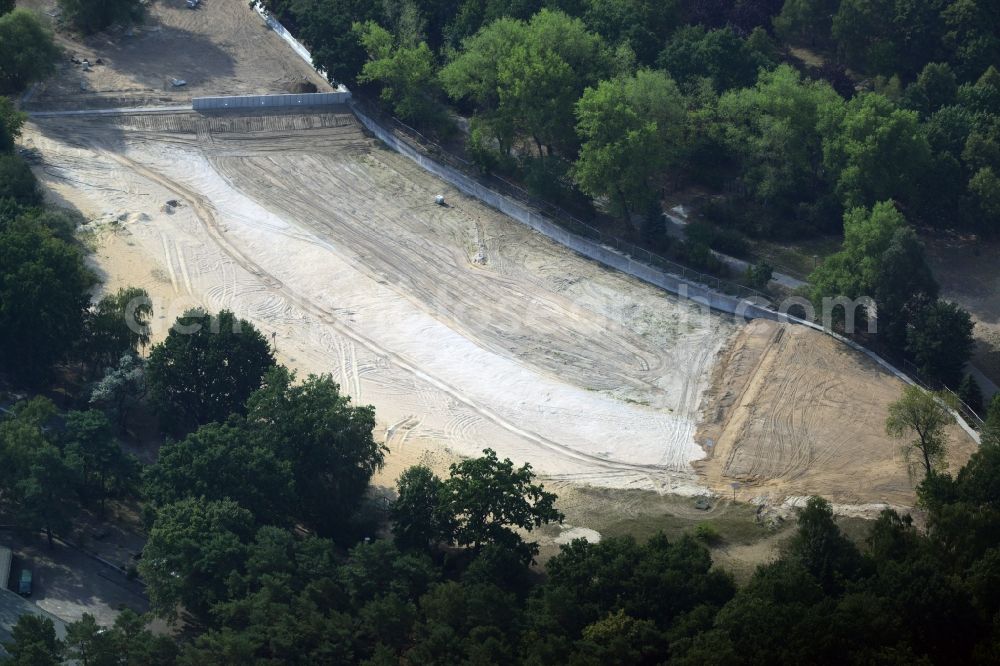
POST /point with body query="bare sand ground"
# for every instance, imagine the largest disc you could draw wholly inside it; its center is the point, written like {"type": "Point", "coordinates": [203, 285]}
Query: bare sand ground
{"type": "Point", "coordinates": [221, 48]}
{"type": "Point", "coordinates": [793, 412]}
{"type": "Point", "coordinates": [463, 328]}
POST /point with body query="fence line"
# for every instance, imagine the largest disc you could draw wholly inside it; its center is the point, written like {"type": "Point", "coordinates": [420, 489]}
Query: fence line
{"type": "Point", "coordinates": [968, 412]}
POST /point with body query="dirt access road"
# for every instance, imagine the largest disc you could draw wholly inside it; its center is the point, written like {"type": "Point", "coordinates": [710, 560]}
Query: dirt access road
{"type": "Point", "coordinates": [462, 327]}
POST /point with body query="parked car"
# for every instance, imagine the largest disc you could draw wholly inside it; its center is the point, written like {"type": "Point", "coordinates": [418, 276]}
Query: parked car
{"type": "Point", "coordinates": [24, 585]}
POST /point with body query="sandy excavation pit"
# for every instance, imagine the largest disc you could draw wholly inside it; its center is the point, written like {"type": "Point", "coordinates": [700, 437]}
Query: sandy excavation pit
{"type": "Point", "coordinates": [464, 328]}
{"type": "Point", "coordinates": [461, 326]}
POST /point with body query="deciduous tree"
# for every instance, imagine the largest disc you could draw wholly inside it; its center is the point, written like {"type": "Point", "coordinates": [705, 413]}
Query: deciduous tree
{"type": "Point", "coordinates": [224, 461]}
{"type": "Point", "coordinates": [921, 414]}
{"type": "Point", "coordinates": [940, 342]}
{"type": "Point", "coordinates": [628, 127]}
{"type": "Point", "coordinates": [327, 441]}
{"type": "Point", "coordinates": [490, 499]}
{"type": "Point", "coordinates": [206, 368]}
{"type": "Point", "coordinates": [27, 52]}
{"type": "Point", "coordinates": [194, 546]}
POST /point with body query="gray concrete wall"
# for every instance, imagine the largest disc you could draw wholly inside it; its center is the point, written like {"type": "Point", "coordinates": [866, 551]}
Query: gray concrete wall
{"type": "Point", "coordinates": [269, 101]}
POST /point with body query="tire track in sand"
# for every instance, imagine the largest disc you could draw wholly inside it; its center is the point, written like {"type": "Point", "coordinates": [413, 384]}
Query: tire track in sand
{"type": "Point", "coordinates": [204, 212]}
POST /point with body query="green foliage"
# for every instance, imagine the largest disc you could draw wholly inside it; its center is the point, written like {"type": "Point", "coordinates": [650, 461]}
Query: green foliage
{"type": "Point", "coordinates": [126, 643]}
{"type": "Point", "coordinates": [936, 87]}
{"type": "Point", "coordinates": [707, 534]}
{"type": "Point", "coordinates": [991, 426]}
{"type": "Point", "coordinates": [760, 274]}
{"type": "Point", "coordinates": [44, 294]}
{"type": "Point", "coordinates": [416, 513]}
{"type": "Point", "coordinates": [27, 52]}
{"type": "Point", "coordinates": [940, 342]}
{"type": "Point", "coordinates": [120, 389]}
{"type": "Point", "coordinates": [873, 151]}
{"type": "Point", "coordinates": [194, 546]}
{"type": "Point", "coordinates": [101, 467]}
{"type": "Point", "coordinates": [17, 183]}
{"type": "Point", "coordinates": [921, 414]}
{"type": "Point", "coordinates": [11, 122]}
{"type": "Point", "coordinates": [629, 127]}
{"type": "Point", "coordinates": [224, 462]}
{"type": "Point", "coordinates": [94, 15]}
{"type": "Point", "coordinates": [824, 552]}
{"type": "Point", "coordinates": [406, 74]}
{"type": "Point", "coordinates": [525, 78]}
{"type": "Point", "coordinates": [657, 582]}
{"type": "Point", "coordinates": [904, 286]}
{"type": "Point", "coordinates": [984, 187]}
{"type": "Point", "coordinates": [34, 642]}
{"type": "Point", "coordinates": [970, 393]}
{"type": "Point", "coordinates": [118, 325]}
{"type": "Point", "coordinates": [886, 36]}
{"type": "Point", "coordinates": [206, 368]}
{"type": "Point", "coordinates": [771, 129]}
{"type": "Point", "coordinates": [719, 55]}
{"type": "Point", "coordinates": [638, 23]}
{"type": "Point", "coordinates": [325, 26]}
{"type": "Point", "coordinates": [970, 35]}
{"type": "Point", "coordinates": [806, 22]}
{"type": "Point", "coordinates": [327, 441]}
{"type": "Point", "coordinates": [490, 498]}
{"type": "Point", "coordinates": [853, 272]}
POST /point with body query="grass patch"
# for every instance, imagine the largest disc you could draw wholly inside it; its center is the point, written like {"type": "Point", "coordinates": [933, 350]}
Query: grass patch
{"type": "Point", "coordinates": [797, 259]}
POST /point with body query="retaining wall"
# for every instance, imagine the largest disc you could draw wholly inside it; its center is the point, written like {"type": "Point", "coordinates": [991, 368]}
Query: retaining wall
{"type": "Point", "coordinates": [269, 101]}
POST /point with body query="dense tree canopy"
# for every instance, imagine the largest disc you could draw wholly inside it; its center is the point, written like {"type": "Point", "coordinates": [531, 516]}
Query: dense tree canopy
{"type": "Point", "coordinates": [405, 72]}
{"type": "Point", "coordinates": [326, 440]}
{"type": "Point", "coordinates": [27, 52]}
{"type": "Point", "coordinates": [193, 546]}
{"type": "Point", "coordinates": [44, 296]}
{"type": "Point", "coordinates": [629, 127]}
{"type": "Point", "coordinates": [207, 368]}
{"type": "Point", "coordinates": [524, 78]}
{"type": "Point", "coordinates": [224, 461]}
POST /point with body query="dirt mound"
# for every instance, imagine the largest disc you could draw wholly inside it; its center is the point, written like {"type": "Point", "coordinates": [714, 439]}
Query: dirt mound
{"type": "Point", "coordinates": [794, 412]}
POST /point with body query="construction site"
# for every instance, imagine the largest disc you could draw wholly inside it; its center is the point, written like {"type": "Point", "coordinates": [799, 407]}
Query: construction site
{"type": "Point", "coordinates": [463, 327]}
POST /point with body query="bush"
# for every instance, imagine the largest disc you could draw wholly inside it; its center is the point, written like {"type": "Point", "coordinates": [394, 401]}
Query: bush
{"type": "Point", "coordinates": [699, 257]}
{"type": "Point", "coordinates": [17, 182]}
{"type": "Point", "coordinates": [707, 534]}
{"type": "Point", "coordinates": [731, 242]}
{"type": "Point", "coordinates": [760, 274]}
